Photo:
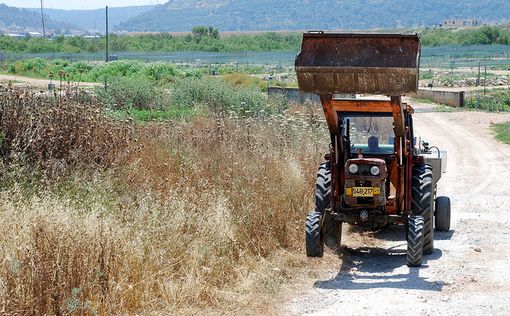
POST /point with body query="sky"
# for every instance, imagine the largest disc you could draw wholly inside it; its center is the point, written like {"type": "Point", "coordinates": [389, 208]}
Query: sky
{"type": "Point", "coordinates": [78, 4]}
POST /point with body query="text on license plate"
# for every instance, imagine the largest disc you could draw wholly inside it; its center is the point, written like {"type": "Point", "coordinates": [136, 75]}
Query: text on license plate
{"type": "Point", "coordinates": [362, 192]}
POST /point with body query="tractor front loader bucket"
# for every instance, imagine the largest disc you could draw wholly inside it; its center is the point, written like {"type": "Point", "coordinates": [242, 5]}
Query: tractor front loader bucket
{"type": "Point", "coordinates": [386, 64]}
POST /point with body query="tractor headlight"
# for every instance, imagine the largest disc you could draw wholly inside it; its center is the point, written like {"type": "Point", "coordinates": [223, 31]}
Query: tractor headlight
{"type": "Point", "coordinates": [353, 168]}
{"type": "Point", "coordinates": [375, 170]}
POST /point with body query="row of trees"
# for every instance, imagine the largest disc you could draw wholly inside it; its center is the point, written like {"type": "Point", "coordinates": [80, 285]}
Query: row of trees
{"type": "Point", "coordinates": [201, 39]}
{"type": "Point", "coordinates": [485, 35]}
{"type": "Point", "coordinates": [206, 38]}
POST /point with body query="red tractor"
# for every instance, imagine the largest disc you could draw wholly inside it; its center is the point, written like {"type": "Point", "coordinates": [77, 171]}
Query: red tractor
{"type": "Point", "coordinates": [376, 172]}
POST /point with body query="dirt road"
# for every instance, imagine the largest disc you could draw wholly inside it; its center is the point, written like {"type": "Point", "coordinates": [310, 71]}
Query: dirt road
{"type": "Point", "coordinates": [468, 272]}
{"type": "Point", "coordinates": [38, 83]}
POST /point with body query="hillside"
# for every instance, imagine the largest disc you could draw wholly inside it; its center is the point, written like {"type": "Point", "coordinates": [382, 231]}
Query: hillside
{"type": "Point", "coordinates": [95, 19]}
{"type": "Point", "coordinates": [245, 15]}
{"type": "Point", "coordinates": [14, 19]}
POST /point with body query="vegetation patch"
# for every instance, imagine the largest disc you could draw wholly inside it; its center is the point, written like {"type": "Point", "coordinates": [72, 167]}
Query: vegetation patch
{"type": "Point", "coordinates": [200, 39]}
{"type": "Point", "coordinates": [484, 35]}
{"type": "Point", "coordinates": [502, 131]}
{"type": "Point", "coordinates": [208, 39]}
{"type": "Point", "coordinates": [159, 73]}
{"type": "Point", "coordinates": [132, 92]}
{"type": "Point", "coordinates": [203, 214]}
{"type": "Point", "coordinates": [494, 100]}
{"type": "Point", "coordinates": [220, 96]}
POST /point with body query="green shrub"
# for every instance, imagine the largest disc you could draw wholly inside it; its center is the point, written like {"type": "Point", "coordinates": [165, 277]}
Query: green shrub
{"type": "Point", "coordinates": [79, 67]}
{"type": "Point", "coordinates": [35, 64]}
{"type": "Point", "coordinates": [120, 68]}
{"type": "Point", "coordinates": [159, 72]}
{"type": "Point", "coordinates": [156, 72]}
{"type": "Point", "coordinates": [493, 101]}
{"type": "Point", "coordinates": [132, 92]}
{"type": "Point", "coordinates": [220, 96]}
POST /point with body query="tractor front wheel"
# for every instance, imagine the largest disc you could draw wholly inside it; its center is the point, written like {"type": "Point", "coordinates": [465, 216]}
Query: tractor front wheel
{"type": "Point", "coordinates": [314, 240]}
{"type": "Point", "coordinates": [331, 228]}
{"type": "Point", "coordinates": [415, 241]}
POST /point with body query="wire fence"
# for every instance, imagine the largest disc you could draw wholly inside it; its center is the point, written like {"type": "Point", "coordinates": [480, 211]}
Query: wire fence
{"type": "Point", "coordinates": [465, 56]}
{"type": "Point", "coordinates": [282, 58]}
{"type": "Point", "coordinates": [431, 57]}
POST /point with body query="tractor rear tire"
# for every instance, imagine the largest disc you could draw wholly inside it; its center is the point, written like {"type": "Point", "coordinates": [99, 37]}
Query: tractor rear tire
{"type": "Point", "coordinates": [422, 203]}
{"type": "Point", "coordinates": [415, 241]}
{"type": "Point", "coordinates": [331, 228]}
{"type": "Point", "coordinates": [443, 213]}
{"type": "Point", "coordinates": [314, 241]}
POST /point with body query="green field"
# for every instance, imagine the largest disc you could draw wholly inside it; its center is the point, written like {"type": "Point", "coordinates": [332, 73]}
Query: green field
{"type": "Point", "coordinates": [502, 132]}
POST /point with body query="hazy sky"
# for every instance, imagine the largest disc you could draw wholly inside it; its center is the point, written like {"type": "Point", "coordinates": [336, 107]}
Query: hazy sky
{"type": "Point", "coordinates": [78, 4]}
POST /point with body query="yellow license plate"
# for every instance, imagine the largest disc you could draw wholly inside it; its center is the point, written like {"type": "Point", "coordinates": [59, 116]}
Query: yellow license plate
{"type": "Point", "coordinates": [362, 192]}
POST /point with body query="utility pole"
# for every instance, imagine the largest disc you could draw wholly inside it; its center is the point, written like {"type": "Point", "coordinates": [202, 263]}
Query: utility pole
{"type": "Point", "coordinates": [107, 48]}
{"type": "Point", "coordinates": [42, 19]}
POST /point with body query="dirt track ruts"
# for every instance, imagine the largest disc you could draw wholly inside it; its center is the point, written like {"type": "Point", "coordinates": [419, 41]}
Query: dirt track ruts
{"type": "Point", "coordinates": [468, 272]}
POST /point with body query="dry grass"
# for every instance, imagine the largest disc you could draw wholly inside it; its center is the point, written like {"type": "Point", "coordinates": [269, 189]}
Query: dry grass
{"type": "Point", "coordinates": [56, 134]}
{"type": "Point", "coordinates": [202, 216]}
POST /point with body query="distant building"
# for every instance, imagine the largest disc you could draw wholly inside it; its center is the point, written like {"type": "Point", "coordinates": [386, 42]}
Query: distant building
{"type": "Point", "coordinates": [461, 23]}
{"type": "Point", "coordinates": [16, 35]}
{"type": "Point", "coordinates": [35, 34]}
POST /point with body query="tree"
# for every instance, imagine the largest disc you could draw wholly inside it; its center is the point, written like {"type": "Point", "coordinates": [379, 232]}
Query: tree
{"type": "Point", "coordinates": [200, 31]}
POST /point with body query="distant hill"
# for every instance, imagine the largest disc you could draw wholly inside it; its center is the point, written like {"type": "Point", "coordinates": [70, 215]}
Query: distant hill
{"type": "Point", "coordinates": [248, 15]}
{"type": "Point", "coordinates": [26, 20]}
{"type": "Point", "coordinates": [90, 20]}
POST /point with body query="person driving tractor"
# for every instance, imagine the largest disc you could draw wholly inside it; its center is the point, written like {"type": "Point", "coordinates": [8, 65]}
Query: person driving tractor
{"type": "Point", "coordinates": [373, 145]}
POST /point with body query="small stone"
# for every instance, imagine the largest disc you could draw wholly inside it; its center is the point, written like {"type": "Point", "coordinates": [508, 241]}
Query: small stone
{"type": "Point", "coordinates": [477, 249]}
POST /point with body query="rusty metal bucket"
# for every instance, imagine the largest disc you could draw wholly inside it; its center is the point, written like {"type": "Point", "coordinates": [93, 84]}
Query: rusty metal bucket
{"type": "Point", "coordinates": [385, 64]}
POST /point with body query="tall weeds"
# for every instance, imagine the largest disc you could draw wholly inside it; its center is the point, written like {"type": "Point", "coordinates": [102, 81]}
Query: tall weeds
{"type": "Point", "coordinates": [54, 134]}
{"type": "Point", "coordinates": [190, 216]}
